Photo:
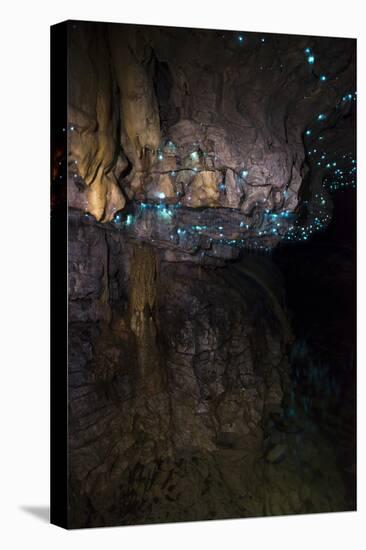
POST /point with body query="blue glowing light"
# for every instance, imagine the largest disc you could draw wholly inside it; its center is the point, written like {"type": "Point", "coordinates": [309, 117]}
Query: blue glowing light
{"type": "Point", "coordinates": [241, 38]}
{"type": "Point", "coordinates": [275, 223]}
{"type": "Point", "coordinates": [311, 59]}
{"type": "Point", "coordinates": [322, 116]}
{"type": "Point", "coordinates": [323, 78]}
{"type": "Point", "coordinates": [348, 97]}
{"type": "Point", "coordinates": [307, 50]}
{"type": "Point", "coordinates": [164, 212]}
{"type": "Point", "coordinates": [170, 146]}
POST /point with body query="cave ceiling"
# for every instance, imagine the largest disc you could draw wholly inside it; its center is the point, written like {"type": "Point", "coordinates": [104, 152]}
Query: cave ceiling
{"type": "Point", "coordinates": [206, 142]}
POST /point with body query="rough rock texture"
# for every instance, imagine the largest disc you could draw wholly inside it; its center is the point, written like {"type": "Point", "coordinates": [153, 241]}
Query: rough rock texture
{"type": "Point", "coordinates": [178, 377]}
{"type": "Point", "coordinates": [186, 147]}
{"type": "Point", "coordinates": [202, 120]}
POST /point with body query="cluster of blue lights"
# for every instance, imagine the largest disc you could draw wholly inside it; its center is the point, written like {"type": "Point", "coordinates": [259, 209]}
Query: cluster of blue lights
{"type": "Point", "coordinates": [275, 224]}
{"type": "Point", "coordinates": [309, 56]}
{"type": "Point", "coordinates": [119, 221]}
{"type": "Point", "coordinates": [199, 227]}
{"type": "Point", "coordinates": [318, 219]}
{"type": "Point", "coordinates": [338, 172]}
{"type": "Point", "coordinates": [240, 38]}
{"type": "Point", "coordinates": [342, 176]}
{"type": "Point", "coordinates": [198, 163]}
{"type": "Point", "coordinates": [349, 97]}
{"type": "Point", "coordinates": [339, 169]}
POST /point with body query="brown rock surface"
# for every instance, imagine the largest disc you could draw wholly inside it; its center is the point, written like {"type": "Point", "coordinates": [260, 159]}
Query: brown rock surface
{"type": "Point", "coordinates": [175, 371]}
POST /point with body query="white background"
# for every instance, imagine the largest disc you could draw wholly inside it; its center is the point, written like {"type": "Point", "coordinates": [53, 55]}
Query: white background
{"type": "Point", "coordinates": [24, 273]}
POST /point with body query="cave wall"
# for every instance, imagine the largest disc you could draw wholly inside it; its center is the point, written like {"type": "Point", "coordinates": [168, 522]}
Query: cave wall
{"type": "Point", "coordinates": [178, 383]}
{"type": "Point", "coordinates": [191, 155]}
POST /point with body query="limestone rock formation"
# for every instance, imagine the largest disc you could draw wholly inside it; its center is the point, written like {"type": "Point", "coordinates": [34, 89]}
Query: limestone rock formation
{"type": "Point", "coordinates": [203, 119]}
{"type": "Point", "coordinates": [187, 151]}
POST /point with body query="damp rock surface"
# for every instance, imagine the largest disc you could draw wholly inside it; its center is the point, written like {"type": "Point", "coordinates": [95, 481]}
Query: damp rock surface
{"type": "Point", "coordinates": [177, 378]}
{"type": "Point", "coordinates": [204, 121]}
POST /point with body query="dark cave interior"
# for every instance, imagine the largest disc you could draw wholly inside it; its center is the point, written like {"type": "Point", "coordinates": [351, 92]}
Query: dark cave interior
{"type": "Point", "coordinates": [324, 375]}
{"type": "Point", "coordinates": [212, 273]}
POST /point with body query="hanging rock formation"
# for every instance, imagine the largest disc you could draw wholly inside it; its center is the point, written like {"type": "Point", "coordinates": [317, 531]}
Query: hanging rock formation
{"type": "Point", "coordinates": [204, 120]}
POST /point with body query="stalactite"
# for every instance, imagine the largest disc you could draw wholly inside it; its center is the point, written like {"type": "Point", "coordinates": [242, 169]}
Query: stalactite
{"type": "Point", "coordinates": [142, 296]}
